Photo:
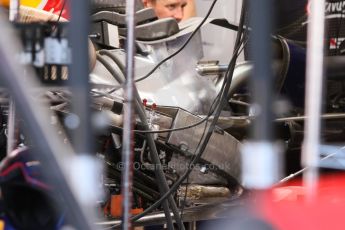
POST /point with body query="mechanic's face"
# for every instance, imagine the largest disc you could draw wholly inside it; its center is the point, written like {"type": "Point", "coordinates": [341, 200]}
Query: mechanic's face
{"type": "Point", "coordinates": [168, 8]}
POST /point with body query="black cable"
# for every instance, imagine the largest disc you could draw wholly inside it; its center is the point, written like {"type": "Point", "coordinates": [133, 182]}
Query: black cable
{"type": "Point", "coordinates": [205, 119]}
{"type": "Point", "coordinates": [200, 148]}
{"type": "Point", "coordinates": [158, 166]}
{"type": "Point", "coordinates": [163, 185]}
{"type": "Point", "coordinates": [62, 9]}
{"type": "Point", "coordinates": [157, 203]}
{"type": "Point", "coordinates": [184, 176]}
{"type": "Point", "coordinates": [211, 111]}
{"type": "Point", "coordinates": [121, 79]}
{"type": "Point", "coordinates": [60, 14]}
{"type": "Point", "coordinates": [182, 47]}
{"type": "Point", "coordinates": [223, 101]}
{"type": "Point", "coordinates": [240, 32]}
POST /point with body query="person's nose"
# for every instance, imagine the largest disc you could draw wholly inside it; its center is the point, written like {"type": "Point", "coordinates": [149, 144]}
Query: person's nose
{"type": "Point", "coordinates": [178, 15]}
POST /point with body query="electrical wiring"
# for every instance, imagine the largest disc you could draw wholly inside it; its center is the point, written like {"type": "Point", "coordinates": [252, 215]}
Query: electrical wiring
{"type": "Point", "coordinates": [204, 140]}
{"type": "Point", "coordinates": [174, 187]}
{"type": "Point", "coordinates": [158, 203]}
{"type": "Point", "coordinates": [238, 43]}
{"type": "Point", "coordinates": [155, 157]}
{"type": "Point", "coordinates": [201, 148]}
{"type": "Point", "coordinates": [168, 194]}
{"type": "Point", "coordinates": [211, 111]}
{"type": "Point", "coordinates": [60, 15]}
{"type": "Point", "coordinates": [62, 9]}
{"type": "Point", "coordinates": [163, 185]}
{"type": "Point", "coordinates": [195, 159]}
{"type": "Point", "coordinates": [222, 88]}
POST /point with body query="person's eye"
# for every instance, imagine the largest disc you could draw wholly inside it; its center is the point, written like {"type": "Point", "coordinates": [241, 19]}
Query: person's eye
{"type": "Point", "coordinates": [171, 6]}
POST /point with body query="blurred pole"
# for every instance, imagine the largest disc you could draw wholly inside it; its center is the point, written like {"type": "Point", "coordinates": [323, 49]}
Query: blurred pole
{"type": "Point", "coordinates": [11, 121]}
{"type": "Point", "coordinates": [14, 10]}
{"type": "Point", "coordinates": [260, 13]}
{"type": "Point", "coordinates": [314, 73]}
{"type": "Point", "coordinates": [84, 169]}
{"type": "Point", "coordinates": [11, 127]}
{"type": "Point", "coordinates": [82, 131]}
{"type": "Point", "coordinates": [261, 164]}
{"type": "Point", "coordinates": [128, 120]}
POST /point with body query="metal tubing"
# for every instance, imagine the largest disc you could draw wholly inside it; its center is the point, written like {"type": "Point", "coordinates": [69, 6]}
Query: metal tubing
{"type": "Point", "coordinates": [217, 210]}
{"type": "Point", "coordinates": [82, 137]}
{"type": "Point", "coordinates": [327, 116]}
{"type": "Point", "coordinates": [314, 73]}
{"type": "Point", "coordinates": [208, 69]}
{"type": "Point", "coordinates": [128, 121]}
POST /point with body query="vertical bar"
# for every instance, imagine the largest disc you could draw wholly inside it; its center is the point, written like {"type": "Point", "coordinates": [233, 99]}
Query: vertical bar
{"type": "Point", "coordinates": [13, 17]}
{"type": "Point", "coordinates": [261, 158]}
{"type": "Point", "coordinates": [84, 169]}
{"type": "Point", "coordinates": [314, 72]}
{"type": "Point", "coordinates": [261, 80]}
{"type": "Point", "coordinates": [128, 122]}
{"type": "Point", "coordinates": [79, 76]}
{"type": "Point", "coordinates": [14, 10]}
{"type": "Point", "coordinates": [11, 126]}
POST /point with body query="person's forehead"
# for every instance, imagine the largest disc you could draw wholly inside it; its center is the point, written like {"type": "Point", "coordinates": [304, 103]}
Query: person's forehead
{"type": "Point", "coordinates": [172, 1]}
